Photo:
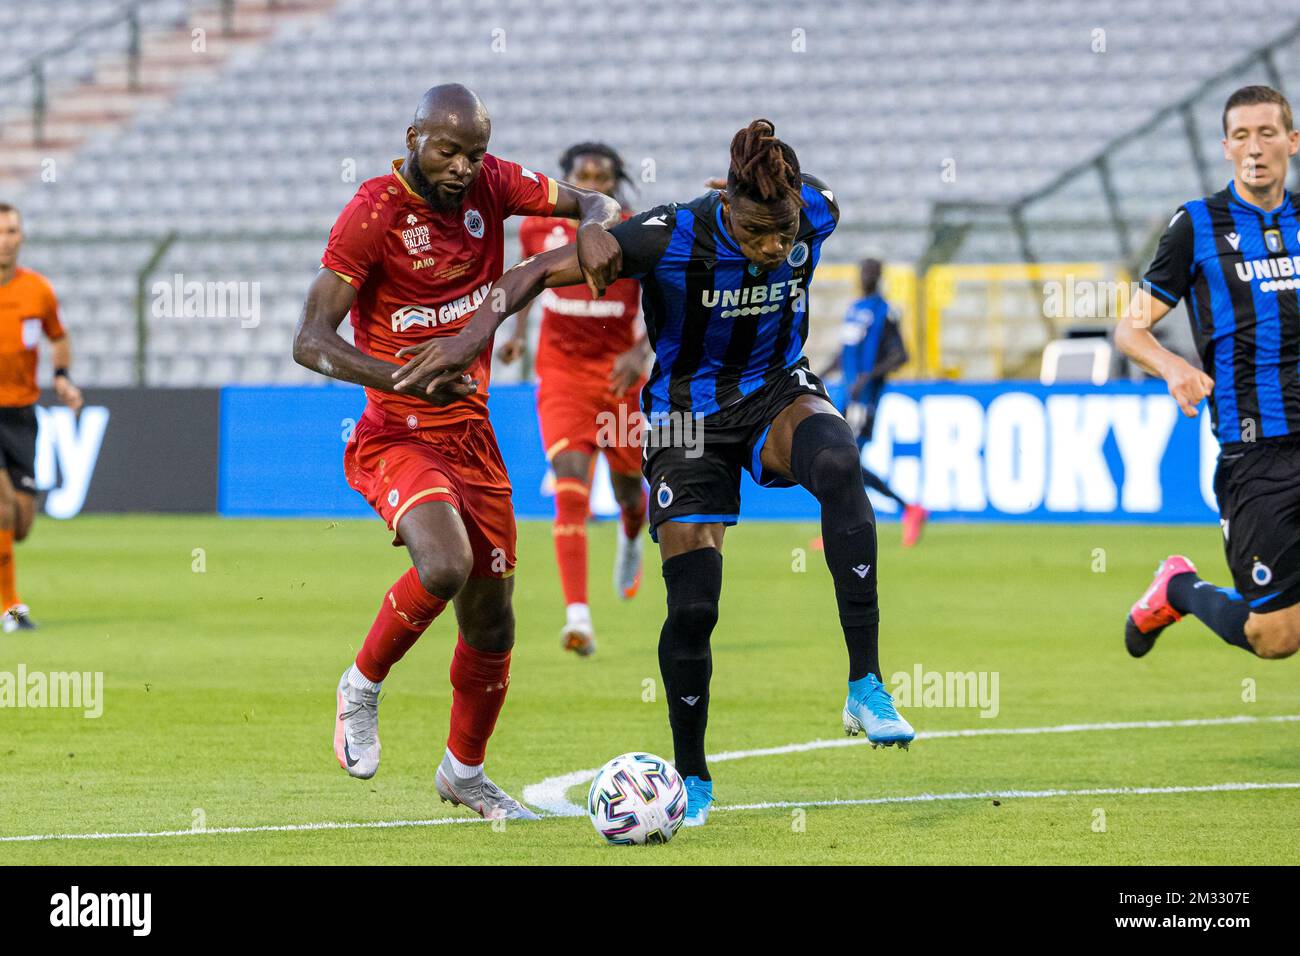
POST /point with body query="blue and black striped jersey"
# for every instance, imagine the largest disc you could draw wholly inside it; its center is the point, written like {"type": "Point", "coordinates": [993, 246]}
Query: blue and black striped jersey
{"type": "Point", "coordinates": [721, 327]}
{"type": "Point", "coordinates": [1238, 267]}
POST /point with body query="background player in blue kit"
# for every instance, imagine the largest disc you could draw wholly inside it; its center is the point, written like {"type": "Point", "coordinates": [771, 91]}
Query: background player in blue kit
{"type": "Point", "coordinates": [1235, 258]}
{"type": "Point", "coordinates": [872, 349]}
{"type": "Point", "coordinates": [724, 280]}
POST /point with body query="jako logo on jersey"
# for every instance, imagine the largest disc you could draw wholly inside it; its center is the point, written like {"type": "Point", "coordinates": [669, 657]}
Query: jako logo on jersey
{"type": "Point", "coordinates": [474, 223]}
{"type": "Point", "coordinates": [409, 316]}
{"type": "Point", "coordinates": [751, 295]}
{"type": "Point", "coordinates": [664, 495]}
{"type": "Point", "coordinates": [798, 255]}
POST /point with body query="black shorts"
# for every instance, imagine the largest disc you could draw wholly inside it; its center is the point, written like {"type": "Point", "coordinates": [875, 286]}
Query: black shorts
{"type": "Point", "coordinates": [18, 446]}
{"type": "Point", "coordinates": [1258, 491]}
{"type": "Point", "coordinates": [693, 465]}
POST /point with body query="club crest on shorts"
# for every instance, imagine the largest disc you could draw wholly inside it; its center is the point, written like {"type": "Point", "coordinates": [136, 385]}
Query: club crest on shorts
{"type": "Point", "coordinates": [1261, 573]}
{"type": "Point", "coordinates": [393, 498]}
{"type": "Point", "coordinates": [474, 223]}
{"type": "Point", "coordinates": [411, 421]}
{"type": "Point", "coordinates": [798, 255]}
{"type": "Point", "coordinates": [664, 495]}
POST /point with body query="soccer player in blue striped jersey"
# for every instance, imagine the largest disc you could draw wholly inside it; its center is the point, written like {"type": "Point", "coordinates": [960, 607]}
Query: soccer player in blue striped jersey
{"type": "Point", "coordinates": [724, 290]}
{"type": "Point", "coordinates": [1235, 258]}
{"type": "Point", "coordinates": [872, 349]}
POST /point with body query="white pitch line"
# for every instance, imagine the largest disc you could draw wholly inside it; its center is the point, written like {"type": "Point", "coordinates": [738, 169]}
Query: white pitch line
{"type": "Point", "coordinates": [208, 831]}
{"type": "Point", "coordinates": [1016, 795]}
{"type": "Point", "coordinates": [549, 795]}
{"type": "Point", "coordinates": [552, 789]}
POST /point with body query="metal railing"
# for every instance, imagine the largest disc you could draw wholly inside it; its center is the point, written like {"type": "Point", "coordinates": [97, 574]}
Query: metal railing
{"type": "Point", "coordinates": [952, 221]}
{"type": "Point", "coordinates": [36, 69]}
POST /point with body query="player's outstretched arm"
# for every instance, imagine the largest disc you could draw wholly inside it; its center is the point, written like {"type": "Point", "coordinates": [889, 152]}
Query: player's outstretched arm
{"type": "Point", "coordinates": [318, 346]}
{"type": "Point", "coordinates": [598, 252]}
{"type": "Point", "coordinates": [441, 360]}
{"type": "Point", "coordinates": [1187, 384]}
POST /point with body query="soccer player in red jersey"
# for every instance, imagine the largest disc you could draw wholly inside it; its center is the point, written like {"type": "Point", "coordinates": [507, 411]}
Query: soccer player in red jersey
{"type": "Point", "coordinates": [592, 358]}
{"type": "Point", "coordinates": [410, 258]}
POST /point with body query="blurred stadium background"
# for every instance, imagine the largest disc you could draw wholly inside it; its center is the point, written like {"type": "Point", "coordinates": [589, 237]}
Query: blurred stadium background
{"type": "Point", "coordinates": [983, 149]}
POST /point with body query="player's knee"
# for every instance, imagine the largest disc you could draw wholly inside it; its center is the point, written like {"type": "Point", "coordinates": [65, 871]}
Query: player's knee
{"type": "Point", "coordinates": [493, 631]}
{"type": "Point", "coordinates": [1276, 640]}
{"type": "Point", "coordinates": [824, 456]}
{"type": "Point", "coordinates": [688, 628]}
{"type": "Point", "coordinates": [693, 581]}
{"type": "Point", "coordinates": [443, 574]}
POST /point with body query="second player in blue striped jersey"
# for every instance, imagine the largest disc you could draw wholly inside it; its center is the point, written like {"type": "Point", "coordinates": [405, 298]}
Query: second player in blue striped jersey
{"type": "Point", "coordinates": [1235, 258]}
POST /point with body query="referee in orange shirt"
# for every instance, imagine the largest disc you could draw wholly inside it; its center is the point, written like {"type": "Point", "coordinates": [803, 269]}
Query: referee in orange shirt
{"type": "Point", "coordinates": [28, 309]}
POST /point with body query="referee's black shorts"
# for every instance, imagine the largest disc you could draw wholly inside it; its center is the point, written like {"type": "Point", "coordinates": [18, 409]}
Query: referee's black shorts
{"type": "Point", "coordinates": [18, 446]}
{"type": "Point", "coordinates": [1258, 489]}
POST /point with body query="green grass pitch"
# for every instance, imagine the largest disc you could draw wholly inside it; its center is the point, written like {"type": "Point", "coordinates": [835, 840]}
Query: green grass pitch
{"type": "Point", "coordinates": [219, 694]}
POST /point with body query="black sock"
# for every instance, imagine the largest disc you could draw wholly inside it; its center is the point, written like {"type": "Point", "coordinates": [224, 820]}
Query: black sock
{"type": "Point", "coordinates": [1221, 613]}
{"type": "Point", "coordinates": [694, 584]}
{"type": "Point", "coordinates": [824, 459]}
{"type": "Point", "coordinates": [876, 483]}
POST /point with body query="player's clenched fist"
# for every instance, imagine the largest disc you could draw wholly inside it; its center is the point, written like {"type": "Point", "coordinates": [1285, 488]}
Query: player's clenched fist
{"type": "Point", "coordinates": [600, 257]}
{"type": "Point", "coordinates": [1188, 385]}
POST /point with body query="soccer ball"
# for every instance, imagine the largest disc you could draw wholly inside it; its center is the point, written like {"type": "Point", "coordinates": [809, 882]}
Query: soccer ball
{"type": "Point", "coordinates": [635, 799]}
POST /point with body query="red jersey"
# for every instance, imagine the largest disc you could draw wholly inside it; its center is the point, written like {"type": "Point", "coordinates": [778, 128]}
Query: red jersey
{"type": "Point", "coordinates": [576, 327]}
{"type": "Point", "coordinates": [420, 273]}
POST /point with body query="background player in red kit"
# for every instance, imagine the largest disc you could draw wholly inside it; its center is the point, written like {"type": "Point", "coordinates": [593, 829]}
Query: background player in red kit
{"type": "Point", "coordinates": [592, 358]}
{"type": "Point", "coordinates": [410, 258]}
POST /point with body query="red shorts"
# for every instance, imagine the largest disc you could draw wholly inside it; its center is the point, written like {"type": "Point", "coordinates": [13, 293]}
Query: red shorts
{"type": "Point", "coordinates": [580, 413]}
{"type": "Point", "coordinates": [395, 467]}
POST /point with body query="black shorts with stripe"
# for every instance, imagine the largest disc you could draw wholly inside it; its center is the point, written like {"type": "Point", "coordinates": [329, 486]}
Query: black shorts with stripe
{"type": "Point", "coordinates": [693, 464]}
{"type": "Point", "coordinates": [1258, 490]}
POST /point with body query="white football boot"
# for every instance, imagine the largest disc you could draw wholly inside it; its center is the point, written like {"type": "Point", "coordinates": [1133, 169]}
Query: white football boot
{"type": "Point", "coordinates": [627, 565]}
{"type": "Point", "coordinates": [356, 729]}
{"type": "Point", "coordinates": [578, 634]}
{"type": "Point", "coordinates": [478, 794]}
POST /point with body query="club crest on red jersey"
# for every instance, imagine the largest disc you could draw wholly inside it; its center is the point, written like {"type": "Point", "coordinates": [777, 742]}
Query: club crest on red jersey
{"type": "Point", "coordinates": [474, 223]}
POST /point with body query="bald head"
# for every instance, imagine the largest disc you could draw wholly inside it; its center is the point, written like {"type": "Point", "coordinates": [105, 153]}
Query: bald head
{"type": "Point", "coordinates": [445, 144]}
{"type": "Point", "coordinates": [451, 104]}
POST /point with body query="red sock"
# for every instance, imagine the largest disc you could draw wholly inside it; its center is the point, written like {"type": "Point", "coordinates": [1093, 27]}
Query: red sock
{"type": "Point", "coordinates": [634, 518]}
{"type": "Point", "coordinates": [406, 612]}
{"type": "Point", "coordinates": [479, 680]}
{"type": "Point", "coordinates": [570, 533]}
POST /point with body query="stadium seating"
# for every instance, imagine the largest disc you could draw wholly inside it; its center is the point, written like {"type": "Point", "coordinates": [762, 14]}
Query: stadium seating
{"type": "Point", "coordinates": [249, 166]}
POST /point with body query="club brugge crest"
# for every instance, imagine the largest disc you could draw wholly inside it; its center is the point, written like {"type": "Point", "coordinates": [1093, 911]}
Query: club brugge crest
{"type": "Point", "coordinates": [1261, 573]}
{"type": "Point", "coordinates": [754, 270]}
{"type": "Point", "coordinates": [664, 495]}
{"type": "Point", "coordinates": [798, 255]}
{"type": "Point", "coordinates": [1273, 240]}
{"type": "Point", "coordinates": [474, 223]}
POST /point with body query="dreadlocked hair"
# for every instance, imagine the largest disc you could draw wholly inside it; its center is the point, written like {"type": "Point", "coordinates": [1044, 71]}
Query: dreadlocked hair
{"type": "Point", "coordinates": [570, 157]}
{"type": "Point", "coordinates": [763, 168]}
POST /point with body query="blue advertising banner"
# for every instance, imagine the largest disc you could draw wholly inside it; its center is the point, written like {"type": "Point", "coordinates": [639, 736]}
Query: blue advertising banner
{"type": "Point", "coordinates": [1005, 451]}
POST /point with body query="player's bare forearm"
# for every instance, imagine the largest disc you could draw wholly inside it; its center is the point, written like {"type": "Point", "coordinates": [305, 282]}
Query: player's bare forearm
{"type": "Point", "coordinates": [598, 251]}
{"type": "Point", "coordinates": [317, 344]}
{"type": "Point", "coordinates": [1187, 384]}
{"type": "Point", "coordinates": [61, 355]}
{"type": "Point", "coordinates": [442, 359]}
